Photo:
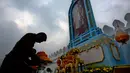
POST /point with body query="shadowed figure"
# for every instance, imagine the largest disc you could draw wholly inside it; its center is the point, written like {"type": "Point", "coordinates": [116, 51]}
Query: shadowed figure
{"type": "Point", "coordinates": [121, 35]}
{"type": "Point", "coordinates": [17, 60]}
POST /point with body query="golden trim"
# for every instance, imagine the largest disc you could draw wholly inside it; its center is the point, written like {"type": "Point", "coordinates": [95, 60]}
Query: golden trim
{"type": "Point", "coordinates": [112, 44]}
{"type": "Point", "coordinates": [98, 61]}
{"type": "Point", "coordinates": [122, 67]}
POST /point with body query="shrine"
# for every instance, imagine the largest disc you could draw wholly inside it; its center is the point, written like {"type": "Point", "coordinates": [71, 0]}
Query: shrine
{"type": "Point", "coordinates": [89, 50]}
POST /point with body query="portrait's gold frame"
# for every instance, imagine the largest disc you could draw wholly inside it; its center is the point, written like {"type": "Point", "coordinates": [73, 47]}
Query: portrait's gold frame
{"type": "Point", "coordinates": [113, 45]}
{"type": "Point", "coordinates": [103, 57]}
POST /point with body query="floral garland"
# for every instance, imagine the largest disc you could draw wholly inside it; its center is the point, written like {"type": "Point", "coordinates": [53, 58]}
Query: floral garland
{"type": "Point", "coordinates": [95, 44]}
{"type": "Point", "coordinates": [102, 69]}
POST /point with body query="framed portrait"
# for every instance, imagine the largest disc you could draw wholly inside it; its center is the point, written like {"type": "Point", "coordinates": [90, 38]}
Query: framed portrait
{"type": "Point", "coordinates": [79, 16]}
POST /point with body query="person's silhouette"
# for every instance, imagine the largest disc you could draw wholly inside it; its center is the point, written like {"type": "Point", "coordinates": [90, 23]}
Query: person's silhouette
{"type": "Point", "coordinates": [14, 62]}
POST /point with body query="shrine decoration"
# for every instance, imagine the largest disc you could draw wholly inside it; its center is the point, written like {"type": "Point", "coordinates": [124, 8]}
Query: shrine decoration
{"type": "Point", "coordinates": [122, 38]}
{"type": "Point", "coordinates": [120, 35]}
{"type": "Point", "coordinates": [44, 57]}
{"type": "Point", "coordinates": [59, 61]}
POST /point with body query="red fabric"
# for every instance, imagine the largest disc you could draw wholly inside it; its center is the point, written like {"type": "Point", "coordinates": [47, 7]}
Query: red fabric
{"type": "Point", "coordinates": [74, 60]}
{"type": "Point", "coordinates": [34, 67]}
{"type": "Point", "coordinates": [70, 59]}
{"type": "Point", "coordinates": [65, 61]}
{"type": "Point", "coordinates": [58, 62]}
{"type": "Point", "coordinates": [81, 30]}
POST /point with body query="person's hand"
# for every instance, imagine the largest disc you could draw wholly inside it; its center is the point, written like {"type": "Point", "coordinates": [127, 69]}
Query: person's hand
{"type": "Point", "coordinates": [34, 51]}
{"type": "Point", "coordinates": [42, 61]}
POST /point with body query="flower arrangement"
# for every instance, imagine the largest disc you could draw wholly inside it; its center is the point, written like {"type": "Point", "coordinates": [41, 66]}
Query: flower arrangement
{"type": "Point", "coordinates": [44, 57]}
{"type": "Point", "coordinates": [75, 51]}
{"type": "Point", "coordinates": [69, 60]}
{"type": "Point", "coordinates": [102, 69]}
{"type": "Point", "coordinates": [58, 61]}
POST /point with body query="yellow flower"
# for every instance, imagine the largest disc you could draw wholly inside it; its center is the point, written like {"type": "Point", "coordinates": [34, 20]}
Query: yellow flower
{"type": "Point", "coordinates": [85, 70]}
{"type": "Point", "coordinates": [107, 71]}
{"type": "Point", "coordinates": [97, 68]}
{"type": "Point", "coordinates": [91, 70]}
{"type": "Point", "coordinates": [110, 68]}
{"type": "Point", "coordinates": [104, 69]}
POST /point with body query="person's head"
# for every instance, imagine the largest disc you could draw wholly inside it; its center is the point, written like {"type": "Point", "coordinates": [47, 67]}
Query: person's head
{"type": "Point", "coordinates": [40, 37]}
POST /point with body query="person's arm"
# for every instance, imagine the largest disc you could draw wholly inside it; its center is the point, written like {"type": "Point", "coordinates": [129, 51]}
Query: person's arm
{"type": "Point", "coordinates": [35, 60]}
